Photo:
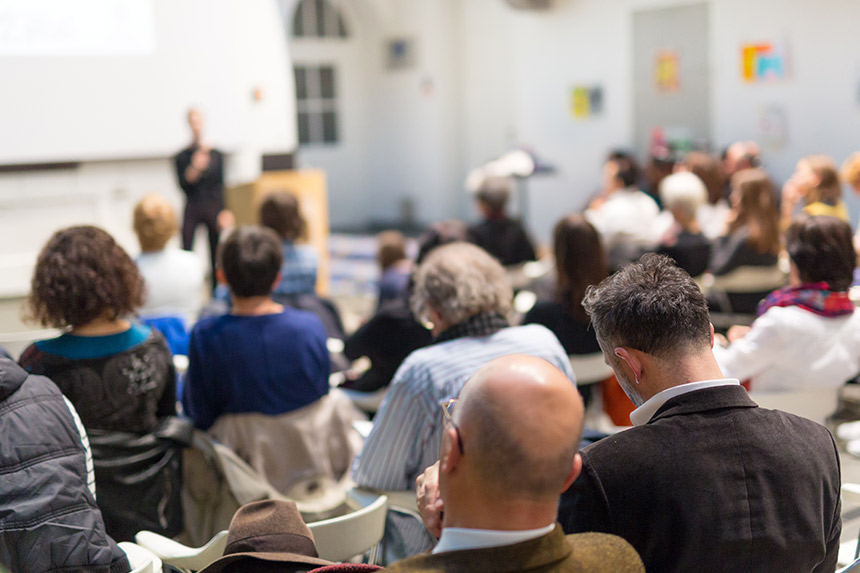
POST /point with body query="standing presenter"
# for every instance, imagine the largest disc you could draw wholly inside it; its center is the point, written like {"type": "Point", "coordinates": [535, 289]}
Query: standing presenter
{"type": "Point", "coordinates": [200, 170]}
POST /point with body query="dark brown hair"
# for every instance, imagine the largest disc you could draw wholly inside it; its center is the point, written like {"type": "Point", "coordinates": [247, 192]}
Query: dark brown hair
{"type": "Point", "coordinates": [391, 248]}
{"type": "Point", "coordinates": [251, 258]}
{"type": "Point", "coordinates": [756, 209]}
{"type": "Point", "coordinates": [710, 170]}
{"type": "Point", "coordinates": [280, 212]}
{"type": "Point", "coordinates": [822, 248]}
{"type": "Point", "coordinates": [83, 274]}
{"type": "Point", "coordinates": [580, 262]}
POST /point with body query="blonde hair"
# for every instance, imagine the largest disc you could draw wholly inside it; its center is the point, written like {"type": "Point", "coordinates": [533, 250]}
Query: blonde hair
{"type": "Point", "coordinates": [851, 170]}
{"type": "Point", "coordinates": [154, 222]}
{"type": "Point", "coordinates": [828, 189]}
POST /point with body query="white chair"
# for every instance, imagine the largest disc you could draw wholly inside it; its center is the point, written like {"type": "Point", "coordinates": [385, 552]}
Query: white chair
{"type": "Point", "coordinates": [140, 558]}
{"type": "Point", "coordinates": [179, 555]}
{"type": "Point", "coordinates": [746, 279]}
{"type": "Point", "coordinates": [341, 538]}
{"type": "Point", "coordinates": [815, 404]}
{"type": "Point", "coordinates": [853, 567]}
{"type": "Point", "coordinates": [589, 368]}
{"type": "Point", "coordinates": [849, 551]}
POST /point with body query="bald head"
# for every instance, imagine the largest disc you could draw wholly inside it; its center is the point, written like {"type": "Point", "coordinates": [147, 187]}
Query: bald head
{"type": "Point", "coordinates": [521, 421]}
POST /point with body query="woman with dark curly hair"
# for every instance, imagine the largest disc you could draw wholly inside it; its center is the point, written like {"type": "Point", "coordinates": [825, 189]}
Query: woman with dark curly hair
{"type": "Point", "coordinates": [118, 375]}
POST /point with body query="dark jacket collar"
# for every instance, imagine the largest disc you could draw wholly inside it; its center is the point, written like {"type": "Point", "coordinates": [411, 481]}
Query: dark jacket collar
{"type": "Point", "coordinates": [703, 400]}
{"type": "Point", "coordinates": [11, 377]}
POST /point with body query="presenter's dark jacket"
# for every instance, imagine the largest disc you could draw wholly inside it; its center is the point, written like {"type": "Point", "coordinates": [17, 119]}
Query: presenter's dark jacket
{"type": "Point", "coordinates": [714, 483]}
{"type": "Point", "coordinates": [209, 189]}
{"type": "Point", "coordinates": [588, 552]}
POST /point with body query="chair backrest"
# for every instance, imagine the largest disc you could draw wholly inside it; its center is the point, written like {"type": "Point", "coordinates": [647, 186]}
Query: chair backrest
{"type": "Point", "coordinates": [589, 368]}
{"type": "Point", "coordinates": [748, 279]}
{"type": "Point", "coordinates": [814, 404]}
{"type": "Point", "coordinates": [852, 568]}
{"type": "Point", "coordinates": [140, 559]}
{"type": "Point", "coordinates": [181, 556]}
{"type": "Point", "coordinates": [340, 538]}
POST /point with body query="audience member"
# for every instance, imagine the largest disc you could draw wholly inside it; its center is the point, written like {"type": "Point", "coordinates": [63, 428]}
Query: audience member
{"type": "Point", "coordinates": [816, 184]}
{"type": "Point", "coordinates": [390, 335]}
{"type": "Point", "coordinates": [739, 156]}
{"type": "Point", "coordinates": [683, 195]}
{"type": "Point", "coordinates": [711, 215]}
{"type": "Point", "coordinates": [173, 277]}
{"type": "Point", "coordinates": [280, 212]}
{"type": "Point", "coordinates": [850, 172]}
{"type": "Point", "coordinates": [807, 334]}
{"type": "Point", "coordinates": [706, 480]}
{"type": "Point", "coordinates": [118, 375]}
{"type": "Point", "coordinates": [49, 520]}
{"type": "Point", "coordinates": [751, 238]}
{"type": "Point", "coordinates": [465, 294]}
{"type": "Point", "coordinates": [623, 215]}
{"type": "Point", "coordinates": [508, 450]}
{"type": "Point", "coordinates": [395, 268]}
{"type": "Point", "coordinates": [262, 357]}
{"type": "Point", "coordinates": [200, 171]}
{"type": "Point", "coordinates": [580, 261]}
{"type": "Point", "coordinates": [501, 236]}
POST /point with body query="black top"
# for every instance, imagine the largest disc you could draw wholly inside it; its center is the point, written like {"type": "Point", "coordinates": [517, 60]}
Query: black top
{"type": "Point", "coordinates": [576, 337]}
{"type": "Point", "coordinates": [210, 186]}
{"type": "Point", "coordinates": [714, 483]}
{"type": "Point", "coordinates": [732, 251]}
{"type": "Point", "coordinates": [504, 238]}
{"type": "Point", "coordinates": [691, 251]}
{"type": "Point", "coordinates": [386, 339]}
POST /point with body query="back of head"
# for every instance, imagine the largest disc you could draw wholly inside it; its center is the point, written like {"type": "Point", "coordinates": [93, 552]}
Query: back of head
{"type": "Point", "coordinates": [754, 201]}
{"type": "Point", "coordinates": [628, 170]}
{"type": "Point", "coordinates": [280, 212]}
{"type": "Point", "coordinates": [250, 258]}
{"type": "Point", "coordinates": [521, 420]}
{"type": "Point", "coordinates": [829, 189]}
{"type": "Point", "coordinates": [710, 170]}
{"type": "Point", "coordinates": [851, 170]}
{"type": "Point", "coordinates": [822, 249]}
{"type": "Point", "coordinates": [652, 306]}
{"type": "Point", "coordinates": [683, 191]}
{"type": "Point", "coordinates": [391, 247]}
{"type": "Point", "coordinates": [83, 274]}
{"type": "Point", "coordinates": [440, 233]}
{"type": "Point", "coordinates": [461, 280]}
{"type": "Point", "coordinates": [580, 262]}
{"type": "Point", "coordinates": [494, 193]}
{"type": "Point", "coordinates": [154, 223]}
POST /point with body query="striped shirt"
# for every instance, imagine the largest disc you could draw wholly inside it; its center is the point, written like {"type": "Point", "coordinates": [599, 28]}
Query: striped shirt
{"type": "Point", "coordinates": [407, 430]}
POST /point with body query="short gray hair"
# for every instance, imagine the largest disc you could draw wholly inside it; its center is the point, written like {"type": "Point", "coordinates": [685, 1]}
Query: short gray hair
{"type": "Point", "coordinates": [460, 280]}
{"type": "Point", "coordinates": [683, 190]}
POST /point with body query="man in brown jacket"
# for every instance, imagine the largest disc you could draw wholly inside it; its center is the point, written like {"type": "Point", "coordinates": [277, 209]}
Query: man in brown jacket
{"type": "Point", "coordinates": [509, 448]}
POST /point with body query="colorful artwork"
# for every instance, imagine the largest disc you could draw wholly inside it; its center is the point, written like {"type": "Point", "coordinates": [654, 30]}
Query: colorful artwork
{"type": "Point", "coordinates": [586, 101]}
{"type": "Point", "coordinates": [763, 62]}
{"type": "Point", "coordinates": [667, 72]}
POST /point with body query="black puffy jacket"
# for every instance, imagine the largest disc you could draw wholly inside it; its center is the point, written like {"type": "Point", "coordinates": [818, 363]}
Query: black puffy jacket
{"type": "Point", "coordinates": [48, 517]}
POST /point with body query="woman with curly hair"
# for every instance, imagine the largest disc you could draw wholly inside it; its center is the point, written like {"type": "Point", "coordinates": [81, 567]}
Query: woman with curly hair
{"type": "Point", "coordinates": [119, 375]}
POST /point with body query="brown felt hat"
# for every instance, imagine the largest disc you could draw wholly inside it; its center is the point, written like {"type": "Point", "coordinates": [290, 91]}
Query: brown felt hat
{"type": "Point", "coordinates": [268, 531]}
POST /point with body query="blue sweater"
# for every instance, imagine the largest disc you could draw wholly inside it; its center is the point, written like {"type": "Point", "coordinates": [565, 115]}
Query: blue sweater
{"type": "Point", "coordinates": [269, 364]}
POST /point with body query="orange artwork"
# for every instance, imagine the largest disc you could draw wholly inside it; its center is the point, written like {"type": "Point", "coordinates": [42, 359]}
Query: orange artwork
{"type": "Point", "coordinates": [667, 72]}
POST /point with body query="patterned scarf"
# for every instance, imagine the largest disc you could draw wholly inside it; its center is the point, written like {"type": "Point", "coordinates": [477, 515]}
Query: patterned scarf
{"type": "Point", "coordinates": [814, 297]}
{"type": "Point", "coordinates": [481, 324]}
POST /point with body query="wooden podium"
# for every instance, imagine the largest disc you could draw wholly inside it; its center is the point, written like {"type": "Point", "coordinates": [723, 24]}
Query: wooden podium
{"type": "Point", "coordinates": [309, 187]}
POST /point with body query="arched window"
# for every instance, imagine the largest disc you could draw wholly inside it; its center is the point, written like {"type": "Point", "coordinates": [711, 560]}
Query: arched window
{"type": "Point", "coordinates": [318, 19]}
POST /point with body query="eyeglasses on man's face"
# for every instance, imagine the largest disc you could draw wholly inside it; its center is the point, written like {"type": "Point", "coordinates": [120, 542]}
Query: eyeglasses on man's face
{"type": "Point", "coordinates": [448, 416]}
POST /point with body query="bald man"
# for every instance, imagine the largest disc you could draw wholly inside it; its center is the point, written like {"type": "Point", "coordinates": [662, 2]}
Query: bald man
{"type": "Point", "coordinates": [509, 448]}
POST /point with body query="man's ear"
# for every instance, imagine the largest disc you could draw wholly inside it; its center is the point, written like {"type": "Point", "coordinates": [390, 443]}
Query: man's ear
{"type": "Point", "coordinates": [449, 454]}
{"type": "Point", "coordinates": [222, 278]}
{"type": "Point", "coordinates": [632, 359]}
{"type": "Point", "coordinates": [277, 280]}
{"type": "Point", "coordinates": [575, 470]}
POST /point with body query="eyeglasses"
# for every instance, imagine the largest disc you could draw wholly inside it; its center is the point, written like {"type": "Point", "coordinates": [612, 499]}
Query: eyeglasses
{"type": "Point", "coordinates": [448, 416]}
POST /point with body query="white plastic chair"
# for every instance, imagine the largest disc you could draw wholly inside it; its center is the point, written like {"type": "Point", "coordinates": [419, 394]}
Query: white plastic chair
{"type": "Point", "coordinates": [140, 558]}
{"type": "Point", "coordinates": [340, 538]}
{"type": "Point", "coordinates": [179, 555]}
{"type": "Point", "coordinates": [815, 404]}
{"type": "Point", "coordinates": [849, 551]}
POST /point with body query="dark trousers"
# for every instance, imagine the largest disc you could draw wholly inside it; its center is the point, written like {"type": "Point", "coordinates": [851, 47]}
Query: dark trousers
{"type": "Point", "coordinates": [205, 212]}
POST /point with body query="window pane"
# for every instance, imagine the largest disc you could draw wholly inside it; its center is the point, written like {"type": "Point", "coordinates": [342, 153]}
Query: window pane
{"type": "Point", "coordinates": [341, 28]}
{"type": "Point", "coordinates": [329, 127]}
{"type": "Point", "coordinates": [327, 87]}
{"type": "Point", "coordinates": [304, 128]}
{"type": "Point", "coordinates": [298, 21]}
{"type": "Point", "coordinates": [301, 83]}
{"type": "Point", "coordinates": [320, 14]}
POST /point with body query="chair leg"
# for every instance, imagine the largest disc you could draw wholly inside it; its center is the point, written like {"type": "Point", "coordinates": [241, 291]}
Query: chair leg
{"type": "Point", "coordinates": [373, 557]}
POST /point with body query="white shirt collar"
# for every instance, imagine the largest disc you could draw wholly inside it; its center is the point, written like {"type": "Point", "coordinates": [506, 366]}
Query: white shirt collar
{"type": "Point", "coordinates": [459, 538]}
{"type": "Point", "coordinates": [646, 411]}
